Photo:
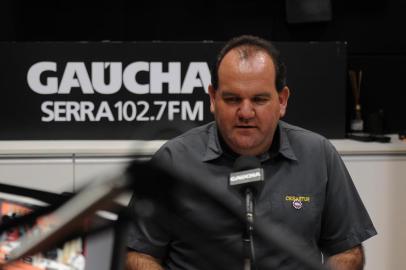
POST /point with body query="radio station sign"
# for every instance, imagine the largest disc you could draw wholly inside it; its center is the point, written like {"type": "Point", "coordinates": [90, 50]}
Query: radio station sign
{"type": "Point", "coordinates": [109, 90]}
{"type": "Point", "coordinates": [75, 75]}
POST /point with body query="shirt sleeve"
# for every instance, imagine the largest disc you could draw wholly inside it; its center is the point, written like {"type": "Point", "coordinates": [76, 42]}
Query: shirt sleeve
{"type": "Point", "coordinates": [146, 233]}
{"type": "Point", "coordinates": [149, 231]}
{"type": "Point", "coordinates": [345, 221]}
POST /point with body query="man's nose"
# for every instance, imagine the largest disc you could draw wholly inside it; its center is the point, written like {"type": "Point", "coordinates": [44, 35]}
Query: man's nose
{"type": "Point", "coordinates": [246, 110]}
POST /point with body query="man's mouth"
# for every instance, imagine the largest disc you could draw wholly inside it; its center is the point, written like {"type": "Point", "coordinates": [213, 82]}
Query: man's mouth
{"type": "Point", "coordinates": [245, 127]}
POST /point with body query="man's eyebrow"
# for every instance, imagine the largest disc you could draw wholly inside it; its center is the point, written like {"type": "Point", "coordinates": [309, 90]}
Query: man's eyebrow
{"type": "Point", "coordinates": [264, 94]}
{"type": "Point", "coordinates": [228, 93]}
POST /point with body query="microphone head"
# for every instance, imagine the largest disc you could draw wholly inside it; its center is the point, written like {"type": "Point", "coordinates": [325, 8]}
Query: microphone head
{"type": "Point", "coordinates": [247, 173]}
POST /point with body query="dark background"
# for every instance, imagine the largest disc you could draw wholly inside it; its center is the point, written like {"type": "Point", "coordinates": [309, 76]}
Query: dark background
{"type": "Point", "coordinates": [316, 69]}
{"type": "Point", "coordinates": [374, 32]}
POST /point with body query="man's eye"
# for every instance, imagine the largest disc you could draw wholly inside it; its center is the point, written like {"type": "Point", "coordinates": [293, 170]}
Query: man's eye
{"type": "Point", "coordinates": [232, 99]}
{"type": "Point", "coordinates": [260, 100]}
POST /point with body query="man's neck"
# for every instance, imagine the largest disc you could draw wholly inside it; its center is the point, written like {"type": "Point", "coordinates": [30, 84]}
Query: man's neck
{"type": "Point", "coordinates": [272, 151]}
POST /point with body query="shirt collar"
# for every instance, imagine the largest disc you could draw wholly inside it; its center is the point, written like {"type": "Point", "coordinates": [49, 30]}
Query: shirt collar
{"type": "Point", "coordinates": [214, 150]}
{"type": "Point", "coordinates": [285, 148]}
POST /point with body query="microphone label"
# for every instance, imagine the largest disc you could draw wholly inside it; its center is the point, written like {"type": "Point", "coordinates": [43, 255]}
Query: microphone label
{"type": "Point", "coordinates": [247, 176]}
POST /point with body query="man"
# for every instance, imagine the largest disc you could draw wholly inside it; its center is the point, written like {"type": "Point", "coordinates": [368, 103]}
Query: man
{"type": "Point", "coordinates": [307, 189]}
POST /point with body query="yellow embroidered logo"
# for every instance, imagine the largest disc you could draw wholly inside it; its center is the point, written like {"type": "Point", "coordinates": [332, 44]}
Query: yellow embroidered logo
{"type": "Point", "coordinates": [297, 201]}
{"type": "Point", "coordinates": [297, 198]}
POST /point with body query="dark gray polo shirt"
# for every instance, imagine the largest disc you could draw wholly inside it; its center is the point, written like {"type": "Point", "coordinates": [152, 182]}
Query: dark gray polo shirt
{"type": "Point", "coordinates": [307, 190]}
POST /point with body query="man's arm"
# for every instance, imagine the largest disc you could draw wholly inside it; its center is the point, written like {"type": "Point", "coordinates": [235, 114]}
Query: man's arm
{"type": "Point", "coordinates": [141, 261]}
{"type": "Point", "coordinates": [352, 259]}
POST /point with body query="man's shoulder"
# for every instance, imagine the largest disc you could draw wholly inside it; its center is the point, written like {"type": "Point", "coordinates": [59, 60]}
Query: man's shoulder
{"type": "Point", "coordinates": [306, 144]}
{"type": "Point", "coordinates": [296, 132]}
{"type": "Point", "coordinates": [194, 138]}
{"type": "Point", "coordinates": [299, 137]}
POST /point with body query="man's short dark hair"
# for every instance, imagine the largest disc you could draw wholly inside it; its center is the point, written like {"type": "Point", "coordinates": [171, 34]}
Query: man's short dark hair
{"type": "Point", "coordinates": [252, 42]}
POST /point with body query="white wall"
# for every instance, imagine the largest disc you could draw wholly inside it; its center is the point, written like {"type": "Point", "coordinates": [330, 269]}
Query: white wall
{"type": "Point", "coordinates": [381, 182]}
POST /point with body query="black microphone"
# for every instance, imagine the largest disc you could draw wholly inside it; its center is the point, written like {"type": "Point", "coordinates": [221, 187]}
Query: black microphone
{"type": "Point", "coordinates": [247, 174]}
{"type": "Point", "coordinates": [247, 177]}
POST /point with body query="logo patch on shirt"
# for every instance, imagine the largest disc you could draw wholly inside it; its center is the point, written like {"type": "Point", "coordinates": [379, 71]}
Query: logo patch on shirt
{"type": "Point", "coordinates": [297, 201]}
{"type": "Point", "coordinates": [297, 204]}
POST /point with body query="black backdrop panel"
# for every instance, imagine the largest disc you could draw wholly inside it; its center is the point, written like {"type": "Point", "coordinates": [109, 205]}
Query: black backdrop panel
{"type": "Point", "coordinates": [147, 90]}
{"type": "Point", "coordinates": [317, 80]}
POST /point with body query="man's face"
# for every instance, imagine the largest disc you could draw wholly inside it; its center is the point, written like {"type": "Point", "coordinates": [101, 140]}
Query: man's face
{"type": "Point", "coordinates": [246, 104]}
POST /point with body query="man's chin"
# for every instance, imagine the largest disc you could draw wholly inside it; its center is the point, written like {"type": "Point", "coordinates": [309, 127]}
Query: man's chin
{"type": "Point", "coordinates": [245, 132]}
{"type": "Point", "coordinates": [244, 148]}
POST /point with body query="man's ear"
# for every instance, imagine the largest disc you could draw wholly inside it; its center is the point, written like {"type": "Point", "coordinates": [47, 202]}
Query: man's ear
{"type": "Point", "coordinates": [283, 100]}
{"type": "Point", "coordinates": [212, 94]}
